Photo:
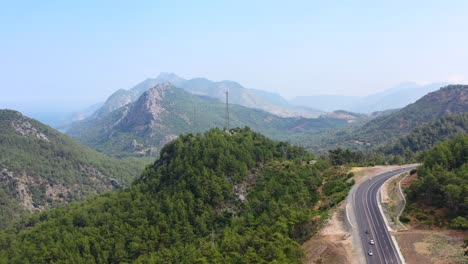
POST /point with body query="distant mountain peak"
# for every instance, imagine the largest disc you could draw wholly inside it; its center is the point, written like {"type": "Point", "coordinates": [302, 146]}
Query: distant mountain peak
{"type": "Point", "coordinates": [148, 108]}
{"type": "Point", "coordinates": [169, 77]}
{"type": "Point", "coordinates": [156, 93]}
{"type": "Point", "coordinates": [163, 75]}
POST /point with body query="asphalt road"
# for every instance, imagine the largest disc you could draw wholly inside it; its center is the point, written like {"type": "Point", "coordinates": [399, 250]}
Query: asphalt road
{"type": "Point", "coordinates": [369, 218]}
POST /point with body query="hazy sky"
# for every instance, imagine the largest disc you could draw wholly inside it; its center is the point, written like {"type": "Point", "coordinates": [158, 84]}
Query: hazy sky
{"type": "Point", "coordinates": [74, 53]}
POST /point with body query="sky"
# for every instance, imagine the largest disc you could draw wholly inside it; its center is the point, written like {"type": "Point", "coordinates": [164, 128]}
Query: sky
{"type": "Point", "coordinates": [71, 54]}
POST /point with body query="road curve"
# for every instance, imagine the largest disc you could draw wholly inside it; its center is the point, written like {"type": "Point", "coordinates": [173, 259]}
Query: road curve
{"type": "Point", "coordinates": [370, 219]}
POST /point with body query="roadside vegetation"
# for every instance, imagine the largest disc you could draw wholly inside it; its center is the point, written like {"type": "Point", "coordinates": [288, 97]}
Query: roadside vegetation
{"type": "Point", "coordinates": [439, 195]}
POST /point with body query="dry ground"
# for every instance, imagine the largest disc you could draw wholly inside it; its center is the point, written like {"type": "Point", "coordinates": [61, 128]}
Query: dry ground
{"type": "Point", "coordinates": [432, 246]}
{"type": "Point", "coordinates": [333, 244]}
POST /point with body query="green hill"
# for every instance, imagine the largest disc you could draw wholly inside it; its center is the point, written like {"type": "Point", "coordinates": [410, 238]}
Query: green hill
{"type": "Point", "coordinates": [427, 135]}
{"type": "Point", "coordinates": [431, 107]}
{"type": "Point", "coordinates": [162, 113]}
{"type": "Point", "coordinates": [232, 197]}
{"type": "Point", "coordinates": [42, 168]}
{"type": "Point", "coordinates": [442, 183]}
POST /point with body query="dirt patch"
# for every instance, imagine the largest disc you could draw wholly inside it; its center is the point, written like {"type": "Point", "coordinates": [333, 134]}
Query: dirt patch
{"type": "Point", "coordinates": [422, 248]}
{"type": "Point", "coordinates": [432, 246]}
{"type": "Point", "coordinates": [406, 182]}
{"type": "Point", "coordinates": [333, 244]}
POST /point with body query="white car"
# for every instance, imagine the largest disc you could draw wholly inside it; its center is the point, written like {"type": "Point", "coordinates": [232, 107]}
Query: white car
{"type": "Point", "coordinates": [370, 253]}
{"type": "Point", "coordinates": [371, 242]}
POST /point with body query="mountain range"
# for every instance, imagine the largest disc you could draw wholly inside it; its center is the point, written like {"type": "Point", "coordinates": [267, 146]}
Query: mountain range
{"type": "Point", "coordinates": [160, 114]}
{"type": "Point", "coordinates": [395, 97]}
{"type": "Point", "coordinates": [302, 106]}
{"type": "Point", "coordinates": [238, 94]}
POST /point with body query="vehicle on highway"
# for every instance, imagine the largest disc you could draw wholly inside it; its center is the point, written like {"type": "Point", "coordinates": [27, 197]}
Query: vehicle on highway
{"type": "Point", "coordinates": [370, 253]}
{"type": "Point", "coordinates": [372, 242]}
{"type": "Point", "coordinates": [367, 232]}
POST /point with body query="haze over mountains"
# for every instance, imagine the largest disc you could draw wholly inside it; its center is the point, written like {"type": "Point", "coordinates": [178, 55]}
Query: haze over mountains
{"type": "Point", "coordinates": [387, 129]}
{"type": "Point", "coordinates": [201, 86]}
{"type": "Point", "coordinates": [395, 97]}
{"type": "Point", "coordinates": [304, 106]}
{"type": "Point", "coordinates": [163, 112]}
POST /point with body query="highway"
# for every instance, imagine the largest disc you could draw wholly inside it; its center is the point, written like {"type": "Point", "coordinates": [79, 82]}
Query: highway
{"type": "Point", "coordinates": [370, 222]}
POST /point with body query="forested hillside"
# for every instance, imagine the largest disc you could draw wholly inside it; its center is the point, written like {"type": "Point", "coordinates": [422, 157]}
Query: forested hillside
{"type": "Point", "coordinates": [442, 183]}
{"type": "Point", "coordinates": [427, 135]}
{"type": "Point", "coordinates": [415, 127]}
{"type": "Point", "coordinates": [42, 168]}
{"type": "Point", "coordinates": [232, 197]}
{"type": "Point", "coordinates": [431, 107]}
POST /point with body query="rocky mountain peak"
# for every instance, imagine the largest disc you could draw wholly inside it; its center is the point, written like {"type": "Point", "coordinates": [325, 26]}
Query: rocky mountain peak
{"type": "Point", "coordinates": [147, 110]}
{"type": "Point", "coordinates": [156, 93]}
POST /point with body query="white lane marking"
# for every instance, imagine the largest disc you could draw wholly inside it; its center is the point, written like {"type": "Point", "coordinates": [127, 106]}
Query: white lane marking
{"type": "Point", "coordinates": [347, 216]}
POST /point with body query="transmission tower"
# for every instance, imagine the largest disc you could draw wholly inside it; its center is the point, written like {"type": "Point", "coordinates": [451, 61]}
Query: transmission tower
{"type": "Point", "coordinates": [226, 118]}
{"type": "Point", "coordinates": [194, 124]}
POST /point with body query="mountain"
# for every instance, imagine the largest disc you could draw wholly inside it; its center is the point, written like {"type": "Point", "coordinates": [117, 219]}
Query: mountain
{"type": "Point", "coordinates": [430, 108]}
{"type": "Point", "coordinates": [251, 98]}
{"type": "Point", "coordinates": [231, 197]}
{"type": "Point", "coordinates": [388, 127]}
{"type": "Point", "coordinates": [238, 94]}
{"type": "Point", "coordinates": [395, 97]}
{"type": "Point", "coordinates": [42, 168]}
{"type": "Point", "coordinates": [123, 97]}
{"type": "Point", "coordinates": [163, 112]}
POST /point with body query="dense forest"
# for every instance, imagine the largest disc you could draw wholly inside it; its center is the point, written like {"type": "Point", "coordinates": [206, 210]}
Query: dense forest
{"type": "Point", "coordinates": [43, 167]}
{"type": "Point", "coordinates": [442, 183]}
{"type": "Point", "coordinates": [234, 197]}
